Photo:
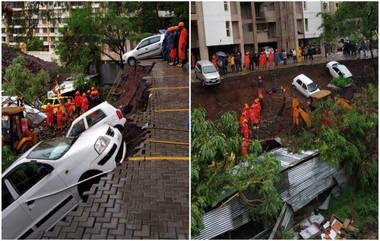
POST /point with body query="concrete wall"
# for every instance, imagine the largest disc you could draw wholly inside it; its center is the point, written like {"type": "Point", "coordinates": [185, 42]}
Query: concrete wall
{"type": "Point", "coordinates": [215, 18]}
{"type": "Point", "coordinates": [312, 9]}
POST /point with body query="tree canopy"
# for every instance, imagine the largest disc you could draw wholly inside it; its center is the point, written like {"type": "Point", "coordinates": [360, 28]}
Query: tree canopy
{"type": "Point", "coordinates": [217, 168]}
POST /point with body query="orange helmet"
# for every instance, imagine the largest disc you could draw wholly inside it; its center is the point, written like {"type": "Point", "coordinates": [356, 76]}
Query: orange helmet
{"type": "Point", "coordinates": [246, 105]}
{"type": "Point", "coordinates": [181, 24]}
{"type": "Point", "coordinates": [257, 100]}
{"type": "Point", "coordinates": [84, 94]}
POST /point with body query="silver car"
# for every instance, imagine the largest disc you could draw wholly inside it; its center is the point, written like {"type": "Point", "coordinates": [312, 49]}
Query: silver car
{"type": "Point", "coordinates": [206, 72]}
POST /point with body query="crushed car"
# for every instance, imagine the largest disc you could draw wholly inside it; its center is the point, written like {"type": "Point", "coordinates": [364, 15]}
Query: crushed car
{"type": "Point", "coordinates": [305, 85]}
{"type": "Point", "coordinates": [51, 179]}
{"type": "Point", "coordinates": [337, 70]}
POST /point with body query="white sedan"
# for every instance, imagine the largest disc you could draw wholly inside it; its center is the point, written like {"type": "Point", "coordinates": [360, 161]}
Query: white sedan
{"type": "Point", "coordinates": [305, 85]}
{"type": "Point", "coordinates": [337, 70]}
{"type": "Point", "coordinates": [50, 179]}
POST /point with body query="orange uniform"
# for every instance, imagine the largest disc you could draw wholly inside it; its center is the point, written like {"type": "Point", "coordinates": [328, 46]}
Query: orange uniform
{"type": "Point", "coordinates": [262, 60]}
{"type": "Point", "coordinates": [247, 59]}
{"type": "Point", "coordinates": [271, 58]}
{"type": "Point", "coordinates": [49, 115]}
{"type": "Point", "coordinates": [182, 44]}
{"type": "Point", "coordinates": [59, 118]}
{"type": "Point", "coordinates": [244, 147]}
{"type": "Point", "coordinates": [245, 129]}
{"type": "Point", "coordinates": [84, 105]}
{"type": "Point", "coordinates": [255, 112]}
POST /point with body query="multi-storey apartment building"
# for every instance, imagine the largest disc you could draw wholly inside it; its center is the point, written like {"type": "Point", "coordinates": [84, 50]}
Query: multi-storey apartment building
{"type": "Point", "coordinates": [250, 26]}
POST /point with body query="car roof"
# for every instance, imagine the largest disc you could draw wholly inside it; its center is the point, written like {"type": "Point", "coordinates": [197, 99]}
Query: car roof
{"type": "Point", "coordinates": [156, 35]}
{"type": "Point", "coordinates": [204, 62]}
{"type": "Point", "coordinates": [102, 106]}
{"type": "Point", "coordinates": [82, 139]}
{"type": "Point", "coordinates": [304, 79]}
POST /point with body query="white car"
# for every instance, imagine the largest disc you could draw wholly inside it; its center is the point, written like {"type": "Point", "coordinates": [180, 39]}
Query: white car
{"type": "Point", "coordinates": [337, 70]}
{"type": "Point", "coordinates": [205, 71]}
{"type": "Point", "coordinates": [104, 113]}
{"type": "Point", "coordinates": [148, 47]}
{"type": "Point", "coordinates": [51, 179]}
{"type": "Point", "coordinates": [305, 85]}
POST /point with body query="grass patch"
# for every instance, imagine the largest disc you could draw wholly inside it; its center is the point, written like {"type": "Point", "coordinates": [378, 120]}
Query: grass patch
{"type": "Point", "coordinates": [342, 82]}
{"type": "Point", "coordinates": [361, 206]}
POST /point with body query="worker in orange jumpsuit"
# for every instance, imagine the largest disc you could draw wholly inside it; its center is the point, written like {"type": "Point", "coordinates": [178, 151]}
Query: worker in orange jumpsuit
{"type": "Point", "coordinates": [263, 61]}
{"type": "Point", "coordinates": [296, 113]}
{"type": "Point", "coordinates": [84, 105]}
{"type": "Point", "coordinates": [244, 147]}
{"type": "Point", "coordinates": [69, 110]}
{"type": "Point", "coordinates": [60, 117]}
{"type": "Point", "coordinates": [256, 112]}
{"type": "Point", "coordinates": [49, 115]}
{"type": "Point", "coordinates": [245, 129]}
{"type": "Point", "coordinates": [246, 110]}
{"type": "Point", "coordinates": [78, 102]}
{"type": "Point", "coordinates": [247, 59]}
{"type": "Point", "coordinates": [173, 49]}
{"type": "Point", "coordinates": [271, 58]}
{"type": "Point", "coordinates": [182, 43]}
{"type": "Point", "coordinates": [95, 96]}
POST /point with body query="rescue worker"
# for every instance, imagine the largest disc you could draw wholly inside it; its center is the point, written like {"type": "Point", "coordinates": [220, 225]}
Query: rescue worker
{"type": "Point", "coordinates": [244, 147]}
{"type": "Point", "coordinates": [263, 61]}
{"type": "Point", "coordinates": [246, 110]}
{"type": "Point", "coordinates": [296, 113]}
{"type": "Point", "coordinates": [242, 118]}
{"type": "Point", "coordinates": [182, 44]}
{"type": "Point", "coordinates": [49, 115]}
{"type": "Point", "coordinates": [95, 95]}
{"type": "Point", "coordinates": [260, 90]}
{"type": "Point", "coordinates": [245, 129]}
{"type": "Point", "coordinates": [84, 104]}
{"type": "Point", "coordinates": [299, 55]}
{"type": "Point", "coordinates": [247, 59]}
{"type": "Point", "coordinates": [60, 117]}
{"type": "Point", "coordinates": [69, 112]}
{"type": "Point", "coordinates": [271, 58]}
{"type": "Point", "coordinates": [78, 102]}
{"type": "Point", "coordinates": [172, 46]}
{"type": "Point", "coordinates": [256, 112]}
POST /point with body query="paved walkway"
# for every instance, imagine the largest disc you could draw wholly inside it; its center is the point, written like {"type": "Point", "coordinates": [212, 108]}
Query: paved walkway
{"type": "Point", "coordinates": [147, 197]}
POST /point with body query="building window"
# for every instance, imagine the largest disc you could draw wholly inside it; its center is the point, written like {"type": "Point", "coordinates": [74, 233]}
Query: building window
{"type": "Point", "coordinates": [306, 25]}
{"type": "Point", "coordinates": [44, 30]}
{"type": "Point", "coordinates": [225, 6]}
{"type": "Point", "coordinates": [45, 39]}
{"type": "Point", "coordinates": [250, 27]}
{"type": "Point", "coordinates": [304, 5]}
{"type": "Point", "coordinates": [52, 30]}
{"type": "Point", "coordinates": [228, 30]}
{"type": "Point", "coordinates": [4, 39]}
{"type": "Point", "coordinates": [261, 27]}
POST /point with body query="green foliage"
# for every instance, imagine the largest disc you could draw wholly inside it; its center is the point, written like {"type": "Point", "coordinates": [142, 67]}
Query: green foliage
{"type": "Point", "coordinates": [7, 158]}
{"type": "Point", "coordinates": [34, 44]}
{"type": "Point", "coordinates": [342, 82]}
{"type": "Point", "coordinates": [20, 80]}
{"type": "Point", "coordinates": [351, 142]}
{"type": "Point", "coordinates": [359, 205]}
{"type": "Point", "coordinates": [216, 149]}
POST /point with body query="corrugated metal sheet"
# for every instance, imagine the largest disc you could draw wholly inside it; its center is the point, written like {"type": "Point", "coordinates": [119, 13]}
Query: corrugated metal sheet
{"type": "Point", "coordinates": [223, 219]}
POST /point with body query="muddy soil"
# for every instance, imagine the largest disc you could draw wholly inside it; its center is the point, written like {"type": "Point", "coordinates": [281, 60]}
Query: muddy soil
{"type": "Point", "coordinates": [235, 91]}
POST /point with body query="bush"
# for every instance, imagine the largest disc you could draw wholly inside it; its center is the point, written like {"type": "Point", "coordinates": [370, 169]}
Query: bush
{"type": "Point", "coordinates": [7, 158]}
{"type": "Point", "coordinates": [342, 82]}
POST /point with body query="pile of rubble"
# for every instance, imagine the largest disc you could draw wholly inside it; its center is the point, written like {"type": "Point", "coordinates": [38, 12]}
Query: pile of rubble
{"type": "Point", "coordinates": [316, 226]}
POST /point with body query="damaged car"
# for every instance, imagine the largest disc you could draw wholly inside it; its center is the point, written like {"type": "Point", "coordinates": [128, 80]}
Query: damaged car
{"type": "Point", "coordinates": [305, 85]}
{"type": "Point", "coordinates": [337, 70]}
{"type": "Point", "coordinates": [52, 178]}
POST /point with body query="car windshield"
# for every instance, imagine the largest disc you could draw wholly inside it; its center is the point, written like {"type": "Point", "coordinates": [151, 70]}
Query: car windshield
{"type": "Point", "coordinates": [52, 149]}
{"type": "Point", "coordinates": [47, 101]}
{"type": "Point", "coordinates": [311, 87]}
{"type": "Point", "coordinates": [209, 69]}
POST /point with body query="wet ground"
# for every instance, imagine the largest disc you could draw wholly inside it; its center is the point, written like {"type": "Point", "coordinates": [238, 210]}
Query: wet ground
{"type": "Point", "coordinates": [236, 90]}
{"type": "Point", "coordinates": [148, 195]}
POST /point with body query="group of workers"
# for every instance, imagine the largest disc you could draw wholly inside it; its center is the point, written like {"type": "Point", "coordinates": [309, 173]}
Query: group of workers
{"type": "Point", "coordinates": [67, 111]}
{"type": "Point", "coordinates": [175, 45]}
{"type": "Point", "coordinates": [251, 116]}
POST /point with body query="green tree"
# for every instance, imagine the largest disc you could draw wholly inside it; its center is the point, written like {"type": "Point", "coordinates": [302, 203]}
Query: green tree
{"type": "Point", "coordinates": [21, 81]}
{"type": "Point", "coordinates": [357, 21]}
{"type": "Point", "coordinates": [351, 142]}
{"type": "Point", "coordinates": [34, 44]}
{"type": "Point", "coordinates": [217, 168]}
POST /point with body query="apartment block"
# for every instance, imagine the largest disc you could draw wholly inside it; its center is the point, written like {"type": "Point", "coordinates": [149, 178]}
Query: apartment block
{"type": "Point", "coordinates": [250, 26]}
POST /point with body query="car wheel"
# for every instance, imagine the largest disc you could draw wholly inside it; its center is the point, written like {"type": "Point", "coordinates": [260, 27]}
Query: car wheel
{"type": "Point", "coordinates": [131, 61]}
{"type": "Point", "coordinates": [86, 186]}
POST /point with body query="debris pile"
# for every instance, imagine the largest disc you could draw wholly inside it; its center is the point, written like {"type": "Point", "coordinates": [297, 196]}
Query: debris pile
{"type": "Point", "coordinates": [316, 226]}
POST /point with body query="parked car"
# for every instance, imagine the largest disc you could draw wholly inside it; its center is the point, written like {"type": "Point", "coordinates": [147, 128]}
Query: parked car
{"type": "Point", "coordinates": [337, 70]}
{"type": "Point", "coordinates": [55, 103]}
{"type": "Point", "coordinates": [50, 179]}
{"type": "Point", "coordinates": [66, 88]}
{"type": "Point", "coordinates": [101, 114]}
{"type": "Point", "coordinates": [206, 72]}
{"type": "Point", "coordinates": [305, 85]}
{"type": "Point", "coordinates": [148, 47]}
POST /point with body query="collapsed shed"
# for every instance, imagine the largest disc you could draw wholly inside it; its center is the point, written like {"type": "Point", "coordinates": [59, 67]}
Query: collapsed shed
{"type": "Point", "coordinates": [303, 178]}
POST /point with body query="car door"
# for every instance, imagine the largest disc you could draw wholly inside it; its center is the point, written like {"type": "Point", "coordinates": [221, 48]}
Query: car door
{"type": "Point", "coordinates": [77, 128]}
{"type": "Point", "coordinates": [42, 194]}
{"type": "Point", "coordinates": [97, 118]}
{"type": "Point", "coordinates": [154, 46]}
{"type": "Point", "coordinates": [197, 71]}
{"type": "Point", "coordinates": [304, 90]}
{"type": "Point", "coordinates": [15, 220]}
{"type": "Point", "coordinates": [142, 48]}
{"type": "Point", "coordinates": [298, 85]}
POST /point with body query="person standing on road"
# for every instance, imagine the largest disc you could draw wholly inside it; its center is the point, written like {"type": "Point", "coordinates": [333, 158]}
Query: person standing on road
{"type": "Point", "coordinates": [252, 61]}
{"type": "Point", "coordinates": [299, 55]}
{"type": "Point", "coordinates": [285, 57]}
{"type": "Point", "coordinates": [173, 46]}
{"type": "Point", "coordinates": [271, 59]}
{"type": "Point", "coordinates": [238, 62]}
{"type": "Point", "coordinates": [256, 59]}
{"type": "Point", "coordinates": [49, 115]}
{"type": "Point", "coordinates": [263, 61]}
{"type": "Point", "coordinates": [84, 105]}
{"type": "Point", "coordinates": [214, 61]}
{"type": "Point", "coordinates": [247, 58]}
{"type": "Point", "coordinates": [60, 117]}
{"type": "Point", "coordinates": [277, 58]}
{"type": "Point", "coordinates": [233, 63]}
{"type": "Point", "coordinates": [78, 102]}
{"type": "Point", "coordinates": [182, 44]}
{"type": "Point", "coordinates": [294, 53]}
